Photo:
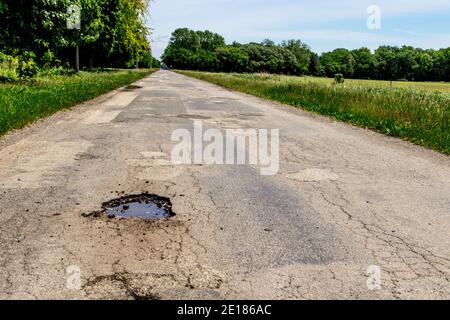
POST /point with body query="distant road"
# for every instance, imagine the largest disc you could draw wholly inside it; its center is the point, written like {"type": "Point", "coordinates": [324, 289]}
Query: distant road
{"type": "Point", "coordinates": [349, 208]}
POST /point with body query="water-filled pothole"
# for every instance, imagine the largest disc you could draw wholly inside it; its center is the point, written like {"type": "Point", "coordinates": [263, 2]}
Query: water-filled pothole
{"type": "Point", "coordinates": [146, 206]}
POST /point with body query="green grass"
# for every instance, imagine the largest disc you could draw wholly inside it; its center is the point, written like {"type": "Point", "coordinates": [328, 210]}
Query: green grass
{"type": "Point", "coordinates": [22, 103]}
{"type": "Point", "coordinates": [421, 116]}
{"type": "Point", "coordinates": [426, 86]}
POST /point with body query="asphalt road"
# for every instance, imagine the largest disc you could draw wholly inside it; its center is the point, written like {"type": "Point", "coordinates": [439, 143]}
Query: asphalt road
{"type": "Point", "coordinates": [346, 204]}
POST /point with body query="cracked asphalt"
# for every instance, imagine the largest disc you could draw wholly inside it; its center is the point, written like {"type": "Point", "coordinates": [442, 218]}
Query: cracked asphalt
{"type": "Point", "coordinates": [345, 199]}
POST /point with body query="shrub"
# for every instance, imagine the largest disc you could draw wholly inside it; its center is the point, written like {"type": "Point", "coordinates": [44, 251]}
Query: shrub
{"type": "Point", "coordinates": [338, 78]}
{"type": "Point", "coordinates": [28, 67]}
{"type": "Point", "coordinates": [8, 67]}
{"type": "Point", "coordinates": [49, 60]}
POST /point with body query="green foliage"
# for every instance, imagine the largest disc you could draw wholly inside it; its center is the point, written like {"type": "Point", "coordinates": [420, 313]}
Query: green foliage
{"type": "Point", "coordinates": [302, 53]}
{"type": "Point", "coordinates": [32, 25]}
{"type": "Point", "coordinates": [338, 61]}
{"type": "Point", "coordinates": [364, 65]}
{"type": "Point", "coordinates": [112, 32]}
{"type": "Point", "coordinates": [232, 59]}
{"type": "Point", "coordinates": [315, 66]}
{"type": "Point", "coordinates": [415, 115]}
{"type": "Point", "coordinates": [146, 60]}
{"type": "Point", "coordinates": [339, 78]}
{"type": "Point", "coordinates": [210, 41]}
{"type": "Point", "coordinates": [49, 60]}
{"type": "Point", "coordinates": [268, 57]}
{"type": "Point", "coordinates": [28, 67]}
{"type": "Point", "coordinates": [206, 51]}
{"type": "Point", "coordinates": [8, 67]}
{"type": "Point", "coordinates": [195, 50]}
{"type": "Point", "coordinates": [204, 60]}
{"type": "Point", "coordinates": [13, 68]}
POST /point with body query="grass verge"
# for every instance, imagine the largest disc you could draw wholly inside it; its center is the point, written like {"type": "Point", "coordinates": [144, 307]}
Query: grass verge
{"type": "Point", "coordinates": [419, 116]}
{"type": "Point", "coordinates": [21, 103]}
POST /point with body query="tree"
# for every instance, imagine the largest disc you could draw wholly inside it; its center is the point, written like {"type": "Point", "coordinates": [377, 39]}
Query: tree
{"type": "Point", "coordinates": [185, 39]}
{"type": "Point", "coordinates": [406, 63]}
{"type": "Point", "coordinates": [114, 31]}
{"type": "Point", "coordinates": [232, 59]}
{"type": "Point", "coordinates": [204, 60]}
{"type": "Point", "coordinates": [36, 26]}
{"type": "Point", "coordinates": [385, 62]}
{"type": "Point", "coordinates": [425, 60]}
{"type": "Point", "coordinates": [442, 65]}
{"type": "Point", "coordinates": [315, 67]}
{"type": "Point", "coordinates": [190, 49]}
{"type": "Point", "coordinates": [265, 57]}
{"type": "Point", "coordinates": [125, 34]}
{"type": "Point", "coordinates": [338, 61]}
{"type": "Point", "coordinates": [364, 63]}
{"type": "Point", "coordinates": [210, 41]}
{"type": "Point", "coordinates": [207, 51]}
{"type": "Point", "coordinates": [302, 53]}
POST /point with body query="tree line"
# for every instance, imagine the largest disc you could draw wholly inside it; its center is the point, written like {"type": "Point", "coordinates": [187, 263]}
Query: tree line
{"type": "Point", "coordinates": [207, 51]}
{"type": "Point", "coordinates": [33, 34]}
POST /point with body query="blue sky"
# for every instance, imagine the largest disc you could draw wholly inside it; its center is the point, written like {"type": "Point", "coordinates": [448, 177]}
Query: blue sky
{"type": "Point", "coordinates": [323, 24]}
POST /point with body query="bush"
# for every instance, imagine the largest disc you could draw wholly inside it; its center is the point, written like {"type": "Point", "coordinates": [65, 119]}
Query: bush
{"type": "Point", "coordinates": [28, 67]}
{"type": "Point", "coordinates": [8, 67]}
{"type": "Point", "coordinates": [339, 78]}
{"type": "Point", "coordinates": [49, 60]}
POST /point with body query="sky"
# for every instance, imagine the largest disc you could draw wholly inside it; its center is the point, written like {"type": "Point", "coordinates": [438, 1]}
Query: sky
{"type": "Point", "coordinates": [323, 24]}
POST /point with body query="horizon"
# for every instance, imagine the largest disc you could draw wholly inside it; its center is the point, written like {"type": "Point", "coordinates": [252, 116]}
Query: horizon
{"type": "Point", "coordinates": [323, 25]}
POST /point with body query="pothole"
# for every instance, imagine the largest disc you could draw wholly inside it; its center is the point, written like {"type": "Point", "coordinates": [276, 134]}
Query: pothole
{"type": "Point", "coordinates": [145, 206]}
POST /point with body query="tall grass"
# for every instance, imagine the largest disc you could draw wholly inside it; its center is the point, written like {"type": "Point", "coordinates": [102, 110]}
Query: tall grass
{"type": "Point", "coordinates": [419, 116]}
{"type": "Point", "coordinates": [424, 86]}
{"type": "Point", "coordinates": [21, 103]}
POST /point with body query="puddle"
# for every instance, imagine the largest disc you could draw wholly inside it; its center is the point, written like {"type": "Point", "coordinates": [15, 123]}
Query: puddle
{"type": "Point", "coordinates": [145, 206]}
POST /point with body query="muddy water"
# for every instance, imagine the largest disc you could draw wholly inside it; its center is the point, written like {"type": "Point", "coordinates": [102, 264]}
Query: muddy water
{"type": "Point", "coordinates": [145, 206]}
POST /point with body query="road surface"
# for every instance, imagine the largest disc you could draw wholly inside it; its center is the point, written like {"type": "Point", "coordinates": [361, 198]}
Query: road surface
{"type": "Point", "coordinates": [351, 214]}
